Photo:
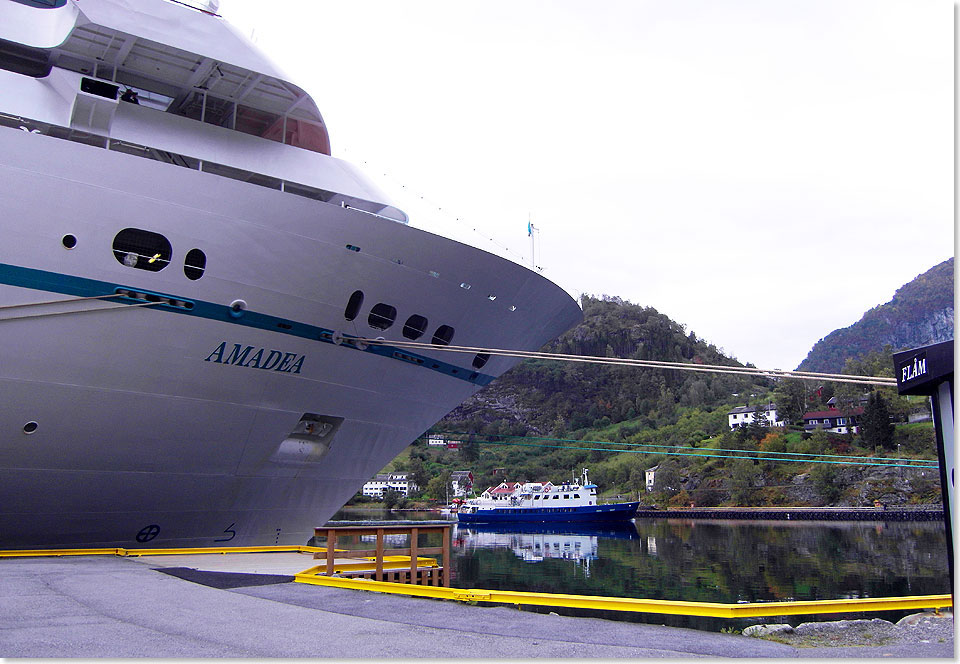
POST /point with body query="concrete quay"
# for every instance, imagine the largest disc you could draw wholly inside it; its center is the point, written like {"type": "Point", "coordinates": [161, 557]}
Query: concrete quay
{"type": "Point", "coordinates": [239, 606]}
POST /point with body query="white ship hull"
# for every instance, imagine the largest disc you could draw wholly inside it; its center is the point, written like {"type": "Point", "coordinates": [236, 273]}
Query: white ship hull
{"type": "Point", "coordinates": [123, 426]}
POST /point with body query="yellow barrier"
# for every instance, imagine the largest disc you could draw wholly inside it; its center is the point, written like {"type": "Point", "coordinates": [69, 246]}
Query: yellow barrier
{"type": "Point", "coordinates": [670, 607]}
{"type": "Point", "coordinates": [366, 563]}
{"type": "Point", "coordinates": [32, 553]}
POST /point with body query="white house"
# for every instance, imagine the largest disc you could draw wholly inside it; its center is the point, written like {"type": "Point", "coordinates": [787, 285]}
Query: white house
{"type": "Point", "coordinates": [744, 415]}
{"type": "Point", "coordinates": [396, 481]}
{"type": "Point", "coordinates": [651, 474]}
{"type": "Point", "coordinates": [462, 482]}
{"type": "Point", "coordinates": [437, 440]}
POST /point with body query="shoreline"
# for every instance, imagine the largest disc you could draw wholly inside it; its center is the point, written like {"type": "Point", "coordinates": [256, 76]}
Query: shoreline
{"type": "Point", "coordinates": [921, 513]}
{"type": "Point", "coordinates": [795, 513]}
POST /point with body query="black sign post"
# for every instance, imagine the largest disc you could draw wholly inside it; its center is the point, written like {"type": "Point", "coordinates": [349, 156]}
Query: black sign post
{"type": "Point", "coordinates": [929, 370]}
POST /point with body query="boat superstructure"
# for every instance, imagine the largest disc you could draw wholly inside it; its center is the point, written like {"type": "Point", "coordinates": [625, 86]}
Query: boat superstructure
{"type": "Point", "coordinates": [186, 279]}
{"type": "Point", "coordinates": [544, 502]}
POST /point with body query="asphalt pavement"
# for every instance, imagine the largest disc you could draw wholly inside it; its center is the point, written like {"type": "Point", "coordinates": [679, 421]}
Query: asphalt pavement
{"type": "Point", "coordinates": [104, 606]}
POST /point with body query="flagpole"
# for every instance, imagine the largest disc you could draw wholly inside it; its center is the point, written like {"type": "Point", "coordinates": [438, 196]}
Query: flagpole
{"type": "Point", "coordinates": [530, 230]}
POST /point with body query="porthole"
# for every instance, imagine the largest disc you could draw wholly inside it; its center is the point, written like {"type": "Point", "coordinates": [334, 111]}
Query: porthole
{"type": "Point", "coordinates": [353, 305]}
{"type": "Point", "coordinates": [141, 249]}
{"type": "Point", "coordinates": [69, 241]}
{"type": "Point", "coordinates": [30, 427]}
{"type": "Point", "coordinates": [194, 264]}
{"type": "Point", "coordinates": [415, 326]}
{"type": "Point", "coordinates": [443, 336]}
{"type": "Point", "coordinates": [382, 316]}
{"type": "Point", "coordinates": [480, 359]}
{"type": "Point", "coordinates": [237, 307]}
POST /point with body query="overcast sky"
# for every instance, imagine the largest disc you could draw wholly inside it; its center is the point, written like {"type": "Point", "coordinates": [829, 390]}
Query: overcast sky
{"type": "Point", "coordinates": [761, 171]}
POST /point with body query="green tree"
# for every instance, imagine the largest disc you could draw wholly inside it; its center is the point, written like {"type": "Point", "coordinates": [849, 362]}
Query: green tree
{"type": "Point", "coordinates": [638, 480]}
{"type": "Point", "coordinates": [391, 498]}
{"type": "Point", "coordinates": [667, 478]}
{"type": "Point", "coordinates": [706, 496]}
{"type": "Point", "coordinates": [756, 429]}
{"type": "Point", "coordinates": [825, 482]}
{"type": "Point", "coordinates": [774, 442]}
{"type": "Point", "coordinates": [743, 479]}
{"type": "Point", "coordinates": [417, 472]}
{"type": "Point", "coordinates": [816, 444]}
{"type": "Point", "coordinates": [791, 399]}
{"type": "Point", "coordinates": [439, 487]}
{"type": "Point", "coordinates": [875, 426]}
{"type": "Point", "coordinates": [468, 449]}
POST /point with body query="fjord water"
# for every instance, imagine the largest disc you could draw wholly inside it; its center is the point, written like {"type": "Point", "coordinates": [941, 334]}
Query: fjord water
{"type": "Point", "coordinates": [724, 561]}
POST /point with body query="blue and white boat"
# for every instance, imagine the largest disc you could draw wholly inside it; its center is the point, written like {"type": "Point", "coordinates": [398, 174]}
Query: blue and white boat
{"type": "Point", "coordinates": [543, 502]}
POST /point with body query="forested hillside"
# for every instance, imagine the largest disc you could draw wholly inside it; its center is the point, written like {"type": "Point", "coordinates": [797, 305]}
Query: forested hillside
{"type": "Point", "coordinates": [920, 313]}
{"type": "Point", "coordinates": [545, 419]}
{"type": "Point", "coordinates": [546, 397]}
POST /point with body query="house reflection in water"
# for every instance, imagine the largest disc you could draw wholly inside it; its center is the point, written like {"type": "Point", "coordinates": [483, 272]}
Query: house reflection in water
{"type": "Point", "coordinates": [535, 543]}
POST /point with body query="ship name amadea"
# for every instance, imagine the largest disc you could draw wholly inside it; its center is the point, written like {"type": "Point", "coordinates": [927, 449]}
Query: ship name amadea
{"type": "Point", "coordinates": [276, 360]}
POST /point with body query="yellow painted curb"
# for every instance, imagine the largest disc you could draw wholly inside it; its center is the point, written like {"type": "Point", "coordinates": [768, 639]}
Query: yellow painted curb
{"type": "Point", "coordinates": [670, 607]}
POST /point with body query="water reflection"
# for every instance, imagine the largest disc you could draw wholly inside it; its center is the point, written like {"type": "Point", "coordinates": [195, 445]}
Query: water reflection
{"type": "Point", "coordinates": [699, 560]}
{"type": "Point", "coordinates": [534, 543]}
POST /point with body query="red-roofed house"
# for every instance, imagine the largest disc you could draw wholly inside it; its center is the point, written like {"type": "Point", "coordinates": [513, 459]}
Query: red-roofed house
{"type": "Point", "coordinates": [501, 492]}
{"type": "Point", "coordinates": [833, 420]}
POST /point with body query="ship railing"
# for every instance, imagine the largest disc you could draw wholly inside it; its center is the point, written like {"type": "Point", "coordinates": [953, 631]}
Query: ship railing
{"type": "Point", "coordinates": [197, 164]}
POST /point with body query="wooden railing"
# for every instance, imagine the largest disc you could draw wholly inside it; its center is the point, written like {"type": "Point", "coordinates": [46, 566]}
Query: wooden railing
{"type": "Point", "coordinates": [415, 574]}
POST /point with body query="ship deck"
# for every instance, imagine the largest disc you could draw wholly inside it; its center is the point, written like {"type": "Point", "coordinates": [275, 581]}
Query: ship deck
{"type": "Point", "coordinates": [245, 605]}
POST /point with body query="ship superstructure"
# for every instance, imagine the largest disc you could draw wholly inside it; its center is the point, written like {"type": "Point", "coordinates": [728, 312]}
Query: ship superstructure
{"type": "Point", "coordinates": [186, 279]}
{"type": "Point", "coordinates": [544, 502]}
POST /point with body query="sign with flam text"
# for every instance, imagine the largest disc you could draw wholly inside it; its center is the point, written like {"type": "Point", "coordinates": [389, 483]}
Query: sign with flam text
{"type": "Point", "coordinates": [915, 369]}
{"type": "Point", "coordinates": [251, 357]}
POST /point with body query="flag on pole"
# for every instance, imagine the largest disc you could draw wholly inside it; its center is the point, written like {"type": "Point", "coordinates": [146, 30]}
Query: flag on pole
{"type": "Point", "coordinates": [529, 229]}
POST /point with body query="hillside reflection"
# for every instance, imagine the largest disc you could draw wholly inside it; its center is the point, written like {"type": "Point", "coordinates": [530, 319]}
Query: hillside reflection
{"type": "Point", "coordinates": [713, 561]}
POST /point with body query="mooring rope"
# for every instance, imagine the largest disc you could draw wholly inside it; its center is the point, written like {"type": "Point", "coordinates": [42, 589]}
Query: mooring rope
{"type": "Point", "coordinates": [48, 314]}
{"type": "Point", "coordinates": [67, 301]}
{"type": "Point", "coordinates": [654, 364]}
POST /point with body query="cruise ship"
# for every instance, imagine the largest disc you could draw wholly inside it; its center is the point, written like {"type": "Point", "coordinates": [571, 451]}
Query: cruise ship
{"type": "Point", "coordinates": [188, 285]}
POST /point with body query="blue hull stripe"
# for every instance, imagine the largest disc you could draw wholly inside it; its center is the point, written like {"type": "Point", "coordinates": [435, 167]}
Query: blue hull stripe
{"type": "Point", "coordinates": [617, 512]}
{"type": "Point", "coordinates": [54, 282]}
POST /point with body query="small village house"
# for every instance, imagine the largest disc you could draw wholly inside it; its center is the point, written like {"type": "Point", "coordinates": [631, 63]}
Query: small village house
{"type": "Point", "coordinates": [745, 415]}
{"type": "Point", "coordinates": [833, 420]}
{"type": "Point", "coordinates": [651, 475]}
{"type": "Point", "coordinates": [462, 482]}
{"type": "Point", "coordinates": [396, 481]}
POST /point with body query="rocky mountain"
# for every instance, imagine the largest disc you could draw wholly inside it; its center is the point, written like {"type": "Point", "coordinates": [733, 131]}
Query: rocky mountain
{"type": "Point", "coordinates": [920, 313]}
{"type": "Point", "coordinates": [539, 397]}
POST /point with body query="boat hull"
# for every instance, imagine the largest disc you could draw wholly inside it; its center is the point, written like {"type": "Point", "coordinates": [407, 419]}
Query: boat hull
{"type": "Point", "coordinates": [139, 426]}
{"type": "Point", "coordinates": [613, 513]}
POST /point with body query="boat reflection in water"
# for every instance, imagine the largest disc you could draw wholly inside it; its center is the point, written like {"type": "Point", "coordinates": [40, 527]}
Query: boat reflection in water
{"type": "Point", "coordinates": [706, 561]}
{"type": "Point", "coordinates": [536, 542]}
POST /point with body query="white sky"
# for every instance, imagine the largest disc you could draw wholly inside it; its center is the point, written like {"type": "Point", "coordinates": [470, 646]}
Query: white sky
{"type": "Point", "coordinates": [762, 171]}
